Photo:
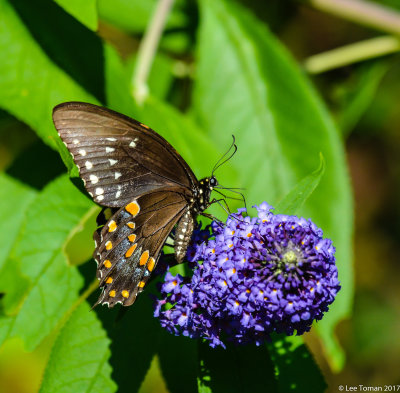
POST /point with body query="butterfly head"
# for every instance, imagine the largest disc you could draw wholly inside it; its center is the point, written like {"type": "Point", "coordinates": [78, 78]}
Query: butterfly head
{"type": "Point", "coordinates": [203, 192]}
{"type": "Point", "coordinates": [212, 181]}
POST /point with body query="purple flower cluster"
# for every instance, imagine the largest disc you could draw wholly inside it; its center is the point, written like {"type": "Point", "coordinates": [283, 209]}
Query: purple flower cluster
{"type": "Point", "coordinates": [251, 277]}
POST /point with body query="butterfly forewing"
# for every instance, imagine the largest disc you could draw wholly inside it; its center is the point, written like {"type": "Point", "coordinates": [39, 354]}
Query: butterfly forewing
{"type": "Point", "coordinates": [129, 244]}
{"type": "Point", "coordinates": [119, 159]}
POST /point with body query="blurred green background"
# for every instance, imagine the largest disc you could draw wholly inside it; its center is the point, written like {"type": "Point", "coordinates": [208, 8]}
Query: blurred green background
{"type": "Point", "coordinates": [95, 45]}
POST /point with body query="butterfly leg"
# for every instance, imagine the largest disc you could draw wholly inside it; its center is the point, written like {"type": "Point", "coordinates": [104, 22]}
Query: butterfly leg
{"type": "Point", "coordinates": [227, 210]}
{"type": "Point", "coordinates": [213, 218]}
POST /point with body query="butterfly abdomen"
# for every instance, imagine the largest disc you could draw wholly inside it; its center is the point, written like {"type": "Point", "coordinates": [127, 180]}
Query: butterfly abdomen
{"type": "Point", "coordinates": [183, 235]}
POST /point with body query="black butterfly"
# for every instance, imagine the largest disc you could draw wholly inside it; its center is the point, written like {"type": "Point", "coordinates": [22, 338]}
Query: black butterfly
{"type": "Point", "coordinates": [146, 185]}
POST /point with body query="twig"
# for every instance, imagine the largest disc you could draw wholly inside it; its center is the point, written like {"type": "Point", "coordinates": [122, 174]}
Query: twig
{"type": "Point", "coordinates": [362, 12]}
{"type": "Point", "coordinates": [352, 53]}
{"type": "Point", "coordinates": [148, 48]}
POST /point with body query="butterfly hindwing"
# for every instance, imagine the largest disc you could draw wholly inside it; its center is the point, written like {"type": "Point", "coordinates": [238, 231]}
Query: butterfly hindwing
{"type": "Point", "coordinates": [119, 159]}
{"type": "Point", "coordinates": [129, 244]}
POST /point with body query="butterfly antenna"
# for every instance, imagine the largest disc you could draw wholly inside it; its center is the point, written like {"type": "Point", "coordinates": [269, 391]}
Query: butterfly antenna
{"type": "Point", "coordinates": [226, 196]}
{"type": "Point", "coordinates": [222, 160]}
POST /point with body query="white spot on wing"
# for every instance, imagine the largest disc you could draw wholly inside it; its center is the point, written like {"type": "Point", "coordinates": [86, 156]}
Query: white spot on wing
{"type": "Point", "coordinates": [75, 141]}
{"type": "Point", "coordinates": [88, 165]}
{"type": "Point", "coordinates": [100, 197]}
{"type": "Point", "coordinates": [111, 139]}
{"type": "Point", "coordinates": [94, 179]}
{"type": "Point", "coordinates": [82, 152]}
{"type": "Point", "coordinates": [117, 175]}
{"type": "Point", "coordinates": [99, 191]}
{"type": "Point", "coordinates": [112, 162]}
{"type": "Point", "coordinates": [109, 149]}
{"type": "Point", "coordinates": [133, 143]}
{"type": "Point", "coordinates": [118, 194]}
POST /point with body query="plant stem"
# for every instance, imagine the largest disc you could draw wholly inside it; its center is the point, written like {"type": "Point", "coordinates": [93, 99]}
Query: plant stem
{"type": "Point", "coordinates": [148, 48]}
{"type": "Point", "coordinates": [352, 53]}
{"type": "Point", "coordinates": [362, 12]}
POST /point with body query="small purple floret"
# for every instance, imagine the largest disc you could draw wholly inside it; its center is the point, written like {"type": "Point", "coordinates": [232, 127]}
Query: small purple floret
{"type": "Point", "coordinates": [251, 277]}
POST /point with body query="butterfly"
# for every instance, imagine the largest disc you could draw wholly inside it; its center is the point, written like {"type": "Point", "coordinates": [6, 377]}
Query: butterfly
{"type": "Point", "coordinates": [145, 186]}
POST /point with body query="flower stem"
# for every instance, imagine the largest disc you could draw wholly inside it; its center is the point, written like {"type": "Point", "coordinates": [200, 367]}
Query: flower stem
{"type": "Point", "coordinates": [352, 53]}
{"type": "Point", "coordinates": [362, 12]}
{"type": "Point", "coordinates": [148, 48]}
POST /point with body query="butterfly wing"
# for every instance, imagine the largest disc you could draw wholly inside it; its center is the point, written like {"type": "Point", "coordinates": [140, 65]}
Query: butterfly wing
{"type": "Point", "coordinates": [119, 159]}
{"type": "Point", "coordinates": [129, 244]}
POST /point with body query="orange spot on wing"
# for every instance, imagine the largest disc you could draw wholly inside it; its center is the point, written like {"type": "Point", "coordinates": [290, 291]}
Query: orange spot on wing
{"type": "Point", "coordinates": [131, 225]}
{"type": "Point", "coordinates": [107, 263]}
{"type": "Point", "coordinates": [112, 293]}
{"type": "Point", "coordinates": [141, 284]}
{"type": "Point", "coordinates": [131, 250]}
{"type": "Point", "coordinates": [143, 258]}
{"type": "Point", "coordinates": [132, 238]}
{"type": "Point", "coordinates": [108, 245]}
{"type": "Point", "coordinates": [125, 293]}
{"type": "Point", "coordinates": [132, 208]}
{"type": "Point", "coordinates": [112, 226]}
{"type": "Point", "coordinates": [109, 280]}
{"type": "Point", "coordinates": [151, 264]}
{"type": "Point", "coordinates": [144, 125]}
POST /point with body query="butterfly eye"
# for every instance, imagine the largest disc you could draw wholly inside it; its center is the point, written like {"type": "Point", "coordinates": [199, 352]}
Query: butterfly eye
{"type": "Point", "coordinates": [213, 181]}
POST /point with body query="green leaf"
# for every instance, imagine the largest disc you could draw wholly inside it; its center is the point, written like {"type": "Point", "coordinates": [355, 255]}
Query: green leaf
{"type": "Point", "coordinates": [247, 84]}
{"type": "Point", "coordinates": [31, 84]}
{"type": "Point", "coordinates": [295, 199]}
{"type": "Point", "coordinates": [79, 357]}
{"type": "Point", "coordinates": [295, 368]}
{"type": "Point", "coordinates": [15, 199]}
{"type": "Point", "coordinates": [50, 286]}
{"type": "Point", "coordinates": [84, 11]}
{"type": "Point", "coordinates": [134, 15]}
{"type": "Point", "coordinates": [235, 369]}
